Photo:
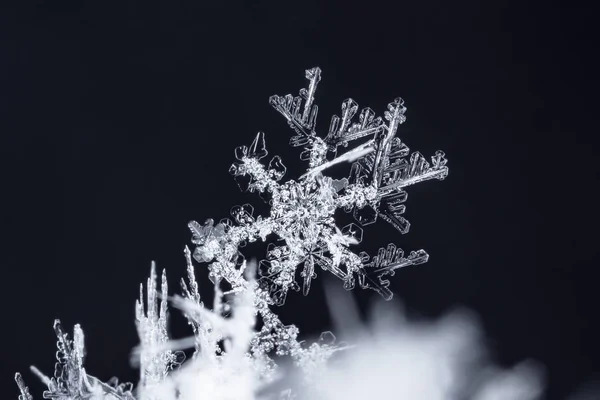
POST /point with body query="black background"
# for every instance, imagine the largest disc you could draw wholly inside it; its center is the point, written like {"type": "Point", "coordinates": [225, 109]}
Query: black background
{"type": "Point", "coordinates": [119, 120]}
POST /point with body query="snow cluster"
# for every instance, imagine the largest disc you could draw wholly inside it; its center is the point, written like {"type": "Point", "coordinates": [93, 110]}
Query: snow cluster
{"type": "Point", "coordinates": [242, 350]}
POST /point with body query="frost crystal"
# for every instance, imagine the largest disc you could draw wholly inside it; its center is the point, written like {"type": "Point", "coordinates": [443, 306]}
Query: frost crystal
{"type": "Point", "coordinates": [302, 211]}
{"type": "Point", "coordinates": [230, 353]}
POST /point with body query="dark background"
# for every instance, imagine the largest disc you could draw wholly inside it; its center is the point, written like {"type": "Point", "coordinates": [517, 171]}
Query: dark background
{"type": "Point", "coordinates": [119, 120]}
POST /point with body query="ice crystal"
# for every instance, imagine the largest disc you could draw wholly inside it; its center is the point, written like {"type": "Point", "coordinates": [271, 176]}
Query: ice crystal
{"type": "Point", "coordinates": [237, 341]}
{"type": "Point", "coordinates": [302, 211]}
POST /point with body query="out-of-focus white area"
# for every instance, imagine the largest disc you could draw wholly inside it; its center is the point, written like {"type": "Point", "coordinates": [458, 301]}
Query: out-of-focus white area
{"type": "Point", "coordinates": [392, 357]}
{"type": "Point", "coordinates": [398, 358]}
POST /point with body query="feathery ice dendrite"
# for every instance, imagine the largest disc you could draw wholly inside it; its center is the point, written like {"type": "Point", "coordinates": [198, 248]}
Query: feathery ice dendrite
{"type": "Point", "coordinates": [302, 220]}
{"type": "Point", "coordinates": [302, 210]}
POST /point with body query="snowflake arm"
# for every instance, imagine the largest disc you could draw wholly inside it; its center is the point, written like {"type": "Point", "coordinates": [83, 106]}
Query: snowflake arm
{"type": "Point", "coordinates": [151, 323]}
{"type": "Point", "coordinates": [25, 395]}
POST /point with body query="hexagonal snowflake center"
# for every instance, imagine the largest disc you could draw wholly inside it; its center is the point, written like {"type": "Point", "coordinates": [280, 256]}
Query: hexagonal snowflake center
{"type": "Point", "coordinates": [304, 206]}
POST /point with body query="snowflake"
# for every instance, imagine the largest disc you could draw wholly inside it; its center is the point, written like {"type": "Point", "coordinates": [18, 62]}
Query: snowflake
{"type": "Point", "coordinates": [302, 211]}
